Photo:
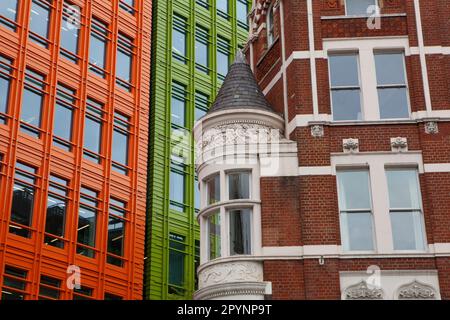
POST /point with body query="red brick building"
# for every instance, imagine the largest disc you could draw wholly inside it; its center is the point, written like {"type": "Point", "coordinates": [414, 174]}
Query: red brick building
{"type": "Point", "coordinates": [74, 110]}
{"type": "Point", "coordinates": [354, 201]}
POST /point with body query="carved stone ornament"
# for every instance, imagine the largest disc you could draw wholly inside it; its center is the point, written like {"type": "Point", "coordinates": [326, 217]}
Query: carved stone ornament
{"type": "Point", "coordinates": [361, 291]}
{"type": "Point", "coordinates": [416, 291]}
{"type": "Point", "coordinates": [399, 144]}
{"type": "Point", "coordinates": [241, 271]}
{"type": "Point", "coordinates": [431, 127]}
{"type": "Point", "coordinates": [350, 145]}
{"type": "Point", "coordinates": [237, 133]}
{"type": "Point", "coordinates": [317, 131]}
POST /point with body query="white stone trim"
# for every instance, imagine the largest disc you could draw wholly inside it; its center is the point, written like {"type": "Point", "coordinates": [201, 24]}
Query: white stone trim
{"type": "Point", "coordinates": [293, 251]}
{"type": "Point", "coordinates": [315, 171]}
{"type": "Point", "coordinates": [436, 167]}
{"type": "Point", "coordinates": [305, 120]}
{"type": "Point", "coordinates": [312, 50]}
{"type": "Point", "coordinates": [423, 59]}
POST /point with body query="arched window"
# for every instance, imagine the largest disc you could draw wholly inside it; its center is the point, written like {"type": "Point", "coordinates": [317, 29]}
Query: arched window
{"type": "Point", "coordinates": [269, 23]}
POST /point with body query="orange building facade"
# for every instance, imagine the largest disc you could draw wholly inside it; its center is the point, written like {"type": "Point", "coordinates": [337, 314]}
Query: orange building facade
{"type": "Point", "coordinates": [74, 110]}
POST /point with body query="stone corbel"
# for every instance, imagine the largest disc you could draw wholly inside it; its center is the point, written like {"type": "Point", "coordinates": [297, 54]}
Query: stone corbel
{"type": "Point", "coordinates": [431, 127]}
{"type": "Point", "coordinates": [350, 145]}
{"type": "Point", "coordinates": [317, 131]}
{"type": "Point", "coordinates": [399, 144]}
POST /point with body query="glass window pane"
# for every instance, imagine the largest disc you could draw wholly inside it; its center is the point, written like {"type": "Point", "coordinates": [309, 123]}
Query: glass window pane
{"type": "Point", "coordinates": [393, 103]}
{"type": "Point", "coordinates": [201, 46]}
{"type": "Point", "coordinates": [56, 216]}
{"type": "Point", "coordinates": [222, 63]}
{"type": "Point", "coordinates": [49, 292]}
{"type": "Point", "coordinates": [354, 190]}
{"type": "Point", "coordinates": [92, 135]}
{"type": "Point", "coordinates": [239, 185]}
{"type": "Point", "coordinates": [39, 19]}
{"type": "Point", "coordinates": [8, 9]}
{"type": "Point", "coordinates": [179, 36]}
{"type": "Point", "coordinates": [240, 231]}
{"type": "Point", "coordinates": [241, 11]}
{"type": "Point", "coordinates": [120, 147]}
{"type": "Point", "coordinates": [346, 104]}
{"type": "Point", "coordinates": [177, 109]}
{"type": "Point", "coordinates": [213, 189]}
{"type": "Point", "coordinates": [214, 236]}
{"type": "Point", "coordinates": [407, 230]}
{"type": "Point", "coordinates": [116, 230]}
{"type": "Point", "coordinates": [4, 94]}
{"type": "Point", "coordinates": [199, 113]}
{"type": "Point", "coordinates": [22, 204]}
{"type": "Point", "coordinates": [176, 260]}
{"type": "Point", "coordinates": [62, 124]}
{"type": "Point", "coordinates": [177, 187]}
{"type": "Point", "coordinates": [222, 5]}
{"type": "Point", "coordinates": [358, 7]}
{"type": "Point", "coordinates": [344, 70]}
{"type": "Point", "coordinates": [357, 231]}
{"type": "Point", "coordinates": [97, 51]}
{"type": "Point", "coordinates": [31, 107]}
{"type": "Point", "coordinates": [69, 35]}
{"type": "Point", "coordinates": [123, 65]}
{"type": "Point", "coordinates": [86, 226]}
{"type": "Point", "coordinates": [390, 68]}
{"type": "Point", "coordinates": [403, 186]}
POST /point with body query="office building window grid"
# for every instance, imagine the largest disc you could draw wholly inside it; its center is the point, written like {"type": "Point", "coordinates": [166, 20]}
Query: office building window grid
{"type": "Point", "coordinates": [55, 89]}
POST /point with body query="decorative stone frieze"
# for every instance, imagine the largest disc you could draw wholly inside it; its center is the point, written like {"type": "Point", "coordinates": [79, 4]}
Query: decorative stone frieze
{"type": "Point", "coordinates": [362, 291]}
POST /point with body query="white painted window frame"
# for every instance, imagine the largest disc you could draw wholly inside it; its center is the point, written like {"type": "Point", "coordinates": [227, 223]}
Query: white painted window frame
{"type": "Point", "coordinates": [341, 210]}
{"type": "Point", "coordinates": [225, 205]}
{"type": "Point", "coordinates": [366, 48]}
{"type": "Point", "coordinates": [377, 162]}
{"type": "Point", "coordinates": [361, 100]}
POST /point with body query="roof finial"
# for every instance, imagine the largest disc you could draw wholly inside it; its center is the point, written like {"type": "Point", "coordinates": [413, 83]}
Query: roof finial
{"type": "Point", "coordinates": [240, 57]}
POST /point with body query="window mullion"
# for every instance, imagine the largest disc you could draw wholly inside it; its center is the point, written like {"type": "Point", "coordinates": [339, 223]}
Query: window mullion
{"type": "Point", "coordinates": [368, 83]}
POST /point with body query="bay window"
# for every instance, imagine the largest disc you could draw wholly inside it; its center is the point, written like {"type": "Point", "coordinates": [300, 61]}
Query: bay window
{"type": "Point", "coordinates": [213, 189]}
{"type": "Point", "coordinates": [240, 231]}
{"type": "Point", "coordinates": [228, 220]}
{"type": "Point", "coordinates": [214, 239]}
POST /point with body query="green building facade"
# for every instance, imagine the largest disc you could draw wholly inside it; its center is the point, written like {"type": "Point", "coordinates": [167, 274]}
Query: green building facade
{"type": "Point", "coordinates": [194, 42]}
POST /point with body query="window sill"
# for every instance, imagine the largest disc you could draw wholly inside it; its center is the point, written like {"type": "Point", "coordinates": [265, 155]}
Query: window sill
{"type": "Point", "coordinates": [228, 204]}
{"type": "Point", "coordinates": [387, 15]}
{"type": "Point", "coordinates": [364, 122]}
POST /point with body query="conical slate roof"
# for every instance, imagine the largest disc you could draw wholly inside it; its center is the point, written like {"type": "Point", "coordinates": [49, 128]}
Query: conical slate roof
{"type": "Point", "coordinates": [240, 89]}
